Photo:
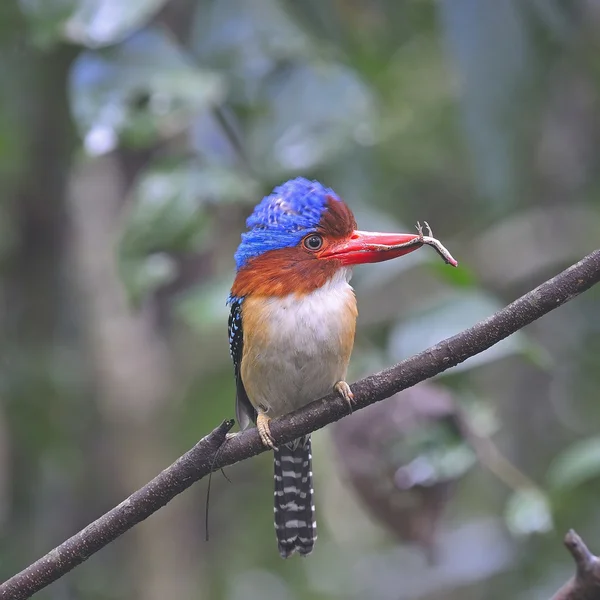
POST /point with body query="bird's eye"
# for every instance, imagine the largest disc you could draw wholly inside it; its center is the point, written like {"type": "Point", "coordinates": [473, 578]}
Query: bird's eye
{"type": "Point", "coordinates": [313, 242]}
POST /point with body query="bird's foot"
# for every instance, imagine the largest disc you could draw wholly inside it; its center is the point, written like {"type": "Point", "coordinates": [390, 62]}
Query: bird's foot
{"type": "Point", "coordinates": [343, 389]}
{"type": "Point", "coordinates": [262, 424]}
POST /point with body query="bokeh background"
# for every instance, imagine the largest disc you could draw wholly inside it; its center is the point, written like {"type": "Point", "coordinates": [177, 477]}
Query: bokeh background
{"type": "Point", "coordinates": [135, 137]}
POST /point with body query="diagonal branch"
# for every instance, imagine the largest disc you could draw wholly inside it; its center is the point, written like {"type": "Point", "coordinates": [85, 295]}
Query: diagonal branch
{"type": "Point", "coordinates": [203, 458]}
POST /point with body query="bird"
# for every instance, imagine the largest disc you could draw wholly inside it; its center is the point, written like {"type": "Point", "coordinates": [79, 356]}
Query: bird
{"type": "Point", "coordinates": [292, 323]}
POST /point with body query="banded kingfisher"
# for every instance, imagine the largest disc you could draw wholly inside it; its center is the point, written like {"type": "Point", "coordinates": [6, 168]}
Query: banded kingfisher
{"type": "Point", "coordinates": [292, 323]}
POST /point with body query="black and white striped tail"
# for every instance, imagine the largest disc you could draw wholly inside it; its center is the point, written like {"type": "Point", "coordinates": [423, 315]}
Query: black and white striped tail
{"type": "Point", "coordinates": [295, 524]}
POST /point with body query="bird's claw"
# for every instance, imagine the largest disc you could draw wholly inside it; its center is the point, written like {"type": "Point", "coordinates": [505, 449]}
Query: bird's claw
{"type": "Point", "coordinates": [343, 389]}
{"type": "Point", "coordinates": [264, 431]}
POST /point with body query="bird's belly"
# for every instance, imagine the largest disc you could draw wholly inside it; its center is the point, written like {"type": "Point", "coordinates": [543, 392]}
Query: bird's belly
{"type": "Point", "coordinates": [295, 351]}
{"type": "Point", "coordinates": [290, 380]}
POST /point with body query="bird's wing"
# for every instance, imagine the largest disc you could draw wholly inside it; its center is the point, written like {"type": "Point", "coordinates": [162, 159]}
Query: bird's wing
{"type": "Point", "coordinates": [244, 411]}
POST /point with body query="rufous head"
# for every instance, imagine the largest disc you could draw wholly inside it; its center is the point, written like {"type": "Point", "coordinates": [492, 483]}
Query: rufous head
{"type": "Point", "coordinates": [300, 235]}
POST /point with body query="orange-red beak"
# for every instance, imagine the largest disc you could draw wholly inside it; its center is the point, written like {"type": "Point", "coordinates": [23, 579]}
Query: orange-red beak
{"type": "Point", "coordinates": [370, 247]}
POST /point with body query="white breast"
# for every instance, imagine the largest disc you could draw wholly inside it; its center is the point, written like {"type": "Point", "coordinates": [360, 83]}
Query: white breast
{"type": "Point", "coordinates": [305, 349]}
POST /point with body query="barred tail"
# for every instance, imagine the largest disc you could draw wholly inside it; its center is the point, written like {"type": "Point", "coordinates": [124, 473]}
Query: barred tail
{"type": "Point", "coordinates": [295, 524]}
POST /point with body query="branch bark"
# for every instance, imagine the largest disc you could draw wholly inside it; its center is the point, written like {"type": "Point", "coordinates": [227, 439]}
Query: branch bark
{"type": "Point", "coordinates": [585, 584]}
{"type": "Point", "coordinates": [212, 452]}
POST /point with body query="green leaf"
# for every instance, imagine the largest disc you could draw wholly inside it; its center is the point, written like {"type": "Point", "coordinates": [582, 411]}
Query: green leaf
{"type": "Point", "coordinates": [260, 38]}
{"type": "Point", "coordinates": [102, 22]}
{"type": "Point", "coordinates": [46, 19]}
{"type": "Point", "coordinates": [462, 277]}
{"type": "Point", "coordinates": [528, 511]}
{"type": "Point", "coordinates": [576, 465]}
{"type": "Point", "coordinates": [203, 308]}
{"type": "Point", "coordinates": [429, 454]}
{"type": "Point", "coordinates": [143, 275]}
{"type": "Point", "coordinates": [141, 90]}
{"type": "Point", "coordinates": [312, 114]}
{"type": "Point", "coordinates": [493, 48]}
{"type": "Point", "coordinates": [169, 202]}
{"type": "Point", "coordinates": [170, 212]}
{"type": "Point", "coordinates": [447, 318]}
{"type": "Point", "coordinates": [302, 113]}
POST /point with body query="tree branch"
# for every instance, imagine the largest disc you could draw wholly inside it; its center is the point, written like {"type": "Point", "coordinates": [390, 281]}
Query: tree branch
{"type": "Point", "coordinates": [212, 453]}
{"type": "Point", "coordinates": [585, 585]}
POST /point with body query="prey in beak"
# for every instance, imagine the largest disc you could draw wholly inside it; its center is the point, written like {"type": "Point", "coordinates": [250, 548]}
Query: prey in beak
{"type": "Point", "coordinates": [369, 247]}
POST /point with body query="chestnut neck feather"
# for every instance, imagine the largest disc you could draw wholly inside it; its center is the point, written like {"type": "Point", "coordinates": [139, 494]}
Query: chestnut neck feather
{"type": "Point", "coordinates": [296, 270]}
{"type": "Point", "coordinates": [283, 272]}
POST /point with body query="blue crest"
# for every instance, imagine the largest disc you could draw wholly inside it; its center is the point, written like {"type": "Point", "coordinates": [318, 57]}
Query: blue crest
{"type": "Point", "coordinates": [283, 218]}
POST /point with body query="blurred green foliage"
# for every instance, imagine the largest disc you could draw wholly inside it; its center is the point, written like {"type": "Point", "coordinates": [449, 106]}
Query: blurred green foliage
{"type": "Point", "coordinates": [135, 136]}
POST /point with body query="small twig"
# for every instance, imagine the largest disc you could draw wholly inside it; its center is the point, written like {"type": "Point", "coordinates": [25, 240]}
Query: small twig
{"type": "Point", "coordinates": [212, 470]}
{"type": "Point", "coordinates": [490, 457]}
{"type": "Point", "coordinates": [585, 584]}
{"type": "Point", "coordinates": [233, 138]}
{"type": "Point", "coordinates": [200, 460]}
